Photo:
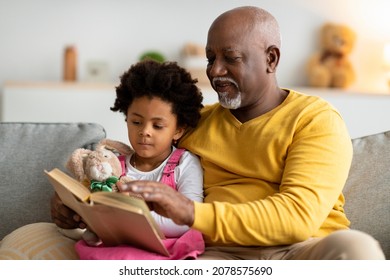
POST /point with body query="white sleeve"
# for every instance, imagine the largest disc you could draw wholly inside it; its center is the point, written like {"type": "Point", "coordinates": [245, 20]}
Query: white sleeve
{"type": "Point", "coordinates": [189, 182]}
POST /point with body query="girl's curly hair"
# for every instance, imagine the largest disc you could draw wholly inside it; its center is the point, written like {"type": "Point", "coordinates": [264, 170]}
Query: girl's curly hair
{"type": "Point", "coordinates": [167, 81]}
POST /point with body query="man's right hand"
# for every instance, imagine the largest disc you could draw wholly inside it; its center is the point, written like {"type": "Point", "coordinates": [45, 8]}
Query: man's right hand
{"type": "Point", "coordinates": [164, 200]}
{"type": "Point", "coordinates": [63, 216]}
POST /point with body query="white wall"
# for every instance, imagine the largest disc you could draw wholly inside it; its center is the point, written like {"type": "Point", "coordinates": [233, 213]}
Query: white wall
{"type": "Point", "coordinates": [34, 33]}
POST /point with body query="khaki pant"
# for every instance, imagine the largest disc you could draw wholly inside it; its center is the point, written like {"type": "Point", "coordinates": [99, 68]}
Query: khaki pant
{"type": "Point", "coordinates": [340, 245]}
{"type": "Point", "coordinates": [44, 241]}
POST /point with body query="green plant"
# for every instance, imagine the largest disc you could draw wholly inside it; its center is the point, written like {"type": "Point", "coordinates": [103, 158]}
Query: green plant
{"type": "Point", "coordinates": [154, 55]}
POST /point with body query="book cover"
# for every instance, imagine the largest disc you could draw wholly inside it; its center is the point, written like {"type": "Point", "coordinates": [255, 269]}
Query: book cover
{"type": "Point", "coordinates": [115, 217]}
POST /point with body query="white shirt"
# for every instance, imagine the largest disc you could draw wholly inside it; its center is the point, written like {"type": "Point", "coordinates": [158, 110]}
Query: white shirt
{"type": "Point", "coordinates": [189, 182]}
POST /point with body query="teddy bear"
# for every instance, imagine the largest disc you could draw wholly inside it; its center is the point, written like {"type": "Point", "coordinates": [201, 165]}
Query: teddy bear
{"type": "Point", "coordinates": [99, 170]}
{"type": "Point", "coordinates": [330, 66]}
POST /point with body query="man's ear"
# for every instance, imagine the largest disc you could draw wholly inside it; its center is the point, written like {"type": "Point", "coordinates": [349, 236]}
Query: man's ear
{"type": "Point", "coordinates": [273, 56]}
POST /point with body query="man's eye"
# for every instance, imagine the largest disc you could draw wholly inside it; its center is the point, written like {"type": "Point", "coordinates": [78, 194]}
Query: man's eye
{"type": "Point", "coordinates": [210, 61]}
{"type": "Point", "coordinates": [232, 58]}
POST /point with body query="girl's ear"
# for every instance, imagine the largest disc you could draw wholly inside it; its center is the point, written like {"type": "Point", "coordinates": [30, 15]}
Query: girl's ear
{"type": "Point", "coordinates": [179, 133]}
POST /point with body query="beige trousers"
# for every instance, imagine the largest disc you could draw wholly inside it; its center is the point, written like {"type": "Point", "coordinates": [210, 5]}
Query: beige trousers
{"type": "Point", "coordinates": [44, 241]}
{"type": "Point", "coordinates": [340, 245]}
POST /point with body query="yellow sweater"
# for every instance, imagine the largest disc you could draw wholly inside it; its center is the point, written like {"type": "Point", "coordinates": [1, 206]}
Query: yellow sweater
{"type": "Point", "coordinates": [276, 179]}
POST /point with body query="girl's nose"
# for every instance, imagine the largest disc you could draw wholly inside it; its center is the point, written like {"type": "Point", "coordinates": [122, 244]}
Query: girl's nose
{"type": "Point", "coordinates": [144, 131]}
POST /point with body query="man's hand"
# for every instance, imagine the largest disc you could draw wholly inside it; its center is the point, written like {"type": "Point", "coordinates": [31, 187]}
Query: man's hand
{"type": "Point", "coordinates": [163, 200]}
{"type": "Point", "coordinates": [63, 216]}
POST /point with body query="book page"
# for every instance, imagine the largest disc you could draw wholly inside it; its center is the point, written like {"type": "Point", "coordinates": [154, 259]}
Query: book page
{"type": "Point", "coordinates": [65, 181]}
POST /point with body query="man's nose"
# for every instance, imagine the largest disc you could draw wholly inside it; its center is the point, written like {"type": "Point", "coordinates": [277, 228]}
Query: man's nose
{"type": "Point", "coordinates": [217, 69]}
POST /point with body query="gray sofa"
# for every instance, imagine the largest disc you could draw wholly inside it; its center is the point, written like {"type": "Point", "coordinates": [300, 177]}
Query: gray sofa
{"type": "Point", "coordinates": [26, 149]}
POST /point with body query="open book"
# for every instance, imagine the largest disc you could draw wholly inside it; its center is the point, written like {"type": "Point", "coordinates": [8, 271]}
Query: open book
{"type": "Point", "coordinates": [116, 218]}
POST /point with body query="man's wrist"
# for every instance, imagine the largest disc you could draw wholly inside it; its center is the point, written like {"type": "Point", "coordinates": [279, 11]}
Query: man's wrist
{"type": "Point", "coordinates": [191, 217]}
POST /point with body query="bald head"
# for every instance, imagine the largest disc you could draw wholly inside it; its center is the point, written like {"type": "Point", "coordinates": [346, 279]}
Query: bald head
{"type": "Point", "coordinates": [250, 18]}
{"type": "Point", "coordinates": [243, 52]}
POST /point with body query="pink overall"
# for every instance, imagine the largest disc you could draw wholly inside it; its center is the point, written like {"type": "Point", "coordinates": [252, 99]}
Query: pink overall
{"type": "Point", "coordinates": [187, 246]}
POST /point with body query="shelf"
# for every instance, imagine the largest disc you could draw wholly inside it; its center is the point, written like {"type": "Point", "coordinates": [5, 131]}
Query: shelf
{"type": "Point", "coordinates": [364, 112]}
{"type": "Point", "coordinates": [338, 91]}
{"type": "Point", "coordinates": [57, 85]}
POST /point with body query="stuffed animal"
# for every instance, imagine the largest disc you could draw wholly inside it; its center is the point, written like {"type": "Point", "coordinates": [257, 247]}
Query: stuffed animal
{"type": "Point", "coordinates": [100, 169]}
{"type": "Point", "coordinates": [330, 67]}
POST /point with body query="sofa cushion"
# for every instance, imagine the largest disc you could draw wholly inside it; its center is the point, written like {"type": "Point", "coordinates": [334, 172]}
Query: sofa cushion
{"type": "Point", "coordinates": [38, 241]}
{"type": "Point", "coordinates": [26, 150]}
{"type": "Point", "coordinates": [367, 190]}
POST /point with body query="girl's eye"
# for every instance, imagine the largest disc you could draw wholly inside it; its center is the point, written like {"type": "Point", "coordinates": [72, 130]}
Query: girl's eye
{"type": "Point", "coordinates": [136, 122]}
{"type": "Point", "coordinates": [156, 126]}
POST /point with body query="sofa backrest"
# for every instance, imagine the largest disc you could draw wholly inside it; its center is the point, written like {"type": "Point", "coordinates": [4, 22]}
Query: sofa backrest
{"type": "Point", "coordinates": [367, 190]}
{"type": "Point", "coordinates": [26, 150]}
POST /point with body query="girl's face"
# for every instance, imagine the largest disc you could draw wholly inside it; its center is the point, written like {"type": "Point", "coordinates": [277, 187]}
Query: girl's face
{"type": "Point", "coordinates": [151, 128]}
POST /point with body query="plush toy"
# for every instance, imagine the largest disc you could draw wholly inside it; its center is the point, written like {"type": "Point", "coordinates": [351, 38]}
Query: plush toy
{"type": "Point", "coordinates": [100, 169]}
{"type": "Point", "coordinates": [330, 67]}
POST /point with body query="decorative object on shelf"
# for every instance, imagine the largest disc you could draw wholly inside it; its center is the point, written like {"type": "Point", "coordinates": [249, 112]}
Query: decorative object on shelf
{"type": "Point", "coordinates": [330, 66]}
{"type": "Point", "coordinates": [97, 71]}
{"type": "Point", "coordinates": [155, 55]}
{"type": "Point", "coordinates": [386, 61]}
{"type": "Point", "coordinates": [70, 64]}
{"type": "Point", "coordinates": [193, 58]}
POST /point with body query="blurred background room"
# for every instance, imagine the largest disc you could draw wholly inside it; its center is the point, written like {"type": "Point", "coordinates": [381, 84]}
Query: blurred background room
{"type": "Point", "coordinates": [108, 36]}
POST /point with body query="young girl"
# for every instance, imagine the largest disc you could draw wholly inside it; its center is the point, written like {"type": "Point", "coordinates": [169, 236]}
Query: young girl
{"type": "Point", "coordinates": [159, 101]}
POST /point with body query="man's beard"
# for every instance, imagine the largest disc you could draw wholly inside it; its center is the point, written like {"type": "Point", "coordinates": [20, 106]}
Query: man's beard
{"type": "Point", "coordinates": [223, 97]}
{"type": "Point", "coordinates": [229, 103]}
